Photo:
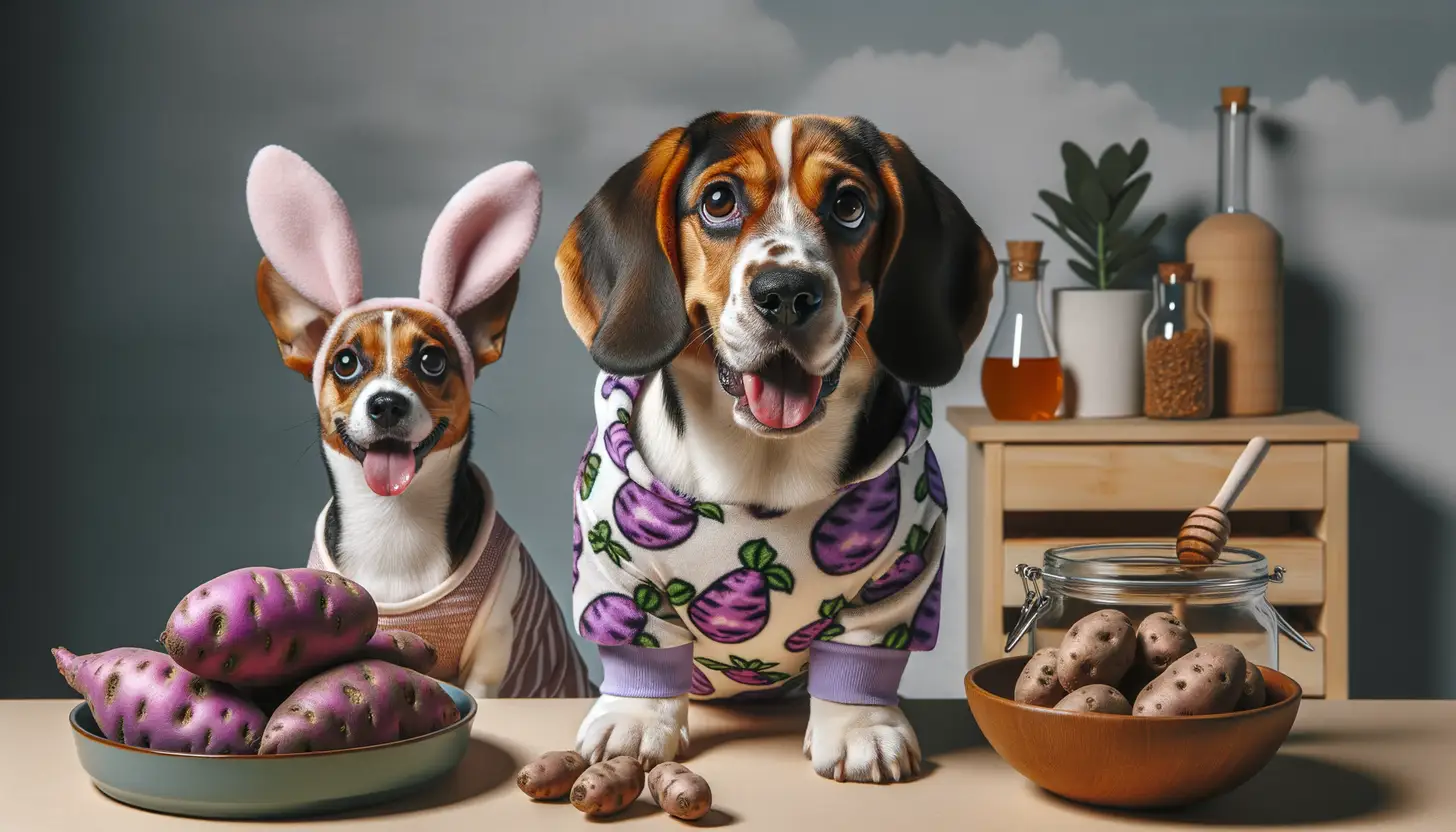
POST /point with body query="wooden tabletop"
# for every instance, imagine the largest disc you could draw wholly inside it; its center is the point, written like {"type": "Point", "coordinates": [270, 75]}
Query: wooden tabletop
{"type": "Point", "coordinates": [1349, 764]}
{"type": "Point", "coordinates": [978, 425]}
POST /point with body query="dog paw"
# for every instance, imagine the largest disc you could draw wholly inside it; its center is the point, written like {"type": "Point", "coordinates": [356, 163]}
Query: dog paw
{"type": "Point", "coordinates": [861, 743]}
{"type": "Point", "coordinates": [652, 730]}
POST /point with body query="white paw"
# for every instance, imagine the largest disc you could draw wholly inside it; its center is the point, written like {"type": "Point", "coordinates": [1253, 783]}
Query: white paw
{"type": "Point", "coordinates": [652, 730]}
{"type": "Point", "coordinates": [861, 743]}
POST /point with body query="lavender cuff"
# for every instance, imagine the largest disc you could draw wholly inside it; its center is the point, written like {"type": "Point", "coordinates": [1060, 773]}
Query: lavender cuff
{"type": "Point", "coordinates": [649, 672]}
{"type": "Point", "coordinates": [851, 674]}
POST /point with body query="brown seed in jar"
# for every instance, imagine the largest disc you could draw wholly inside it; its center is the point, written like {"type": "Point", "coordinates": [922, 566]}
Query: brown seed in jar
{"type": "Point", "coordinates": [1177, 383]}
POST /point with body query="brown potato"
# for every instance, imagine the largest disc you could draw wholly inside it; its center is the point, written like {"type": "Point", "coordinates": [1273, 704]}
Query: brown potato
{"type": "Point", "coordinates": [551, 775]}
{"type": "Point", "coordinates": [1097, 650]}
{"type": "Point", "coordinates": [1095, 699]}
{"type": "Point", "coordinates": [1161, 640]}
{"type": "Point", "coordinates": [1207, 681]}
{"type": "Point", "coordinates": [1253, 694]}
{"type": "Point", "coordinates": [1038, 683]}
{"type": "Point", "coordinates": [608, 787]}
{"type": "Point", "coordinates": [679, 791]}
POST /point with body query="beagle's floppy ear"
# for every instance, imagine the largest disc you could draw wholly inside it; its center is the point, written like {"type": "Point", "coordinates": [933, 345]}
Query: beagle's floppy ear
{"type": "Point", "coordinates": [298, 323]}
{"type": "Point", "coordinates": [938, 273]}
{"type": "Point", "coordinates": [620, 283]}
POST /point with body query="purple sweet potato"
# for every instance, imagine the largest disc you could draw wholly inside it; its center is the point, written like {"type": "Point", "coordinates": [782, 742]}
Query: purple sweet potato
{"type": "Point", "coordinates": [403, 648]}
{"type": "Point", "coordinates": [357, 704]}
{"type": "Point", "coordinates": [754, 672]}
{"type": "Point", "coordinates": [906, 568]}
{"type": "Point", "coordinates": [824, 627]}
{"type": "Point", "coordinates": [613, 619]}
{"type": "Point", "coordinates": [259, 626]}
{"type": "Point", "coordinates": [856, 529]}
{"type": "Point", "coordinates": [657, 519]}
{"type": "Point", "coordinates": [142, 698]}
{"type": "Point", "coordinates": [735, 607]}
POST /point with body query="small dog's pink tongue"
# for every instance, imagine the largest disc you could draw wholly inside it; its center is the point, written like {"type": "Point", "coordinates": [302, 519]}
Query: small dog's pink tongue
{"type": "Point", "coordinates": [388, 468]}
{"type": "Point", "coordinates": [783, 395]}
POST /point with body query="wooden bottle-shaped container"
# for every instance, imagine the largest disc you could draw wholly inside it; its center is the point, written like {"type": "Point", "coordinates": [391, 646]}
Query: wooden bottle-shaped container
{"type": "Point", "coordinates": [1236, 258]}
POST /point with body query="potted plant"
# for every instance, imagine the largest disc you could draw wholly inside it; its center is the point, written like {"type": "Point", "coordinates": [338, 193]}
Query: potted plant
{"type": "Point", "coordinates": [1099, 329]}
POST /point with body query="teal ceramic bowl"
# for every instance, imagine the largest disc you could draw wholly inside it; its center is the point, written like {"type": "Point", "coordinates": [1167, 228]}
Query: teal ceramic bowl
{"type": "Point", "coordinates": [257, 787]}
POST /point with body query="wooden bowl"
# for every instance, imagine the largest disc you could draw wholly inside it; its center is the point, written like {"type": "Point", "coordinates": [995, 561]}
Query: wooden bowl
{"type": "Point", "coordinates": [1129, 761]}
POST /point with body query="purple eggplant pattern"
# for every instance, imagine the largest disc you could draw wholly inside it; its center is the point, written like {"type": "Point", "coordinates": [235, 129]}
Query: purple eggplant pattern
{"type": "Point", "coordinates": [576, 542]}
{"type": "Point", "coordinates": [746, 671]}
{"type": "Point", "coordinates": [906, 568]}
{"type": "Point", "coordinates": [823, 628]}
{"type": "Point", "coordinates": [631, 385]}
{"type": "Point", "coordinates": [735, 608]}
{"type": "Point", "coordinates": [658, 518]}
{"type": "Point", "coordinates": [765, 513]}
{"type": "Point", "coordinates": [614, 620]}
{"type": "Point", "coordinates": [619, 444]}
{"type": "Point", "coordinates": [925, 626]}
{"type": "Point", "coordinates": [701, 685]}
{"type": "Point", "coordinates": [930, 483]}
{"type": "Point", "coordinates": [789, 688]}
{"type": "Point", "coordinates": [856, 529]}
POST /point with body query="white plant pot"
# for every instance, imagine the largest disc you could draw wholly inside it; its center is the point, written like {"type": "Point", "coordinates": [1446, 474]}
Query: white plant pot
{"type": "Point", "coordinates": [1099, 334]}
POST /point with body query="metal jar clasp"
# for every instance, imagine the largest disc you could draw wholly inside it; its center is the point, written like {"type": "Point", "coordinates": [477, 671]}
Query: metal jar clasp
{"type": "Point", "coordinates": [1032, 608]}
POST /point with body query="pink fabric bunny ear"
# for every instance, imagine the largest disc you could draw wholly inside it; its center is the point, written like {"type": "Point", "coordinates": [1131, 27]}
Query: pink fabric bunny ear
{"type": "Point", "coordinates": [481, 237]}
{"type": "Point", "coordinates": [304, 229]}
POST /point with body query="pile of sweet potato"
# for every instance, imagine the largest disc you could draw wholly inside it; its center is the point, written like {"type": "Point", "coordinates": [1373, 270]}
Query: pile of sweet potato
{"type": "Point", "coordinates": [266, 661]}
{"type": "Point", "coordinates": [610, 786]}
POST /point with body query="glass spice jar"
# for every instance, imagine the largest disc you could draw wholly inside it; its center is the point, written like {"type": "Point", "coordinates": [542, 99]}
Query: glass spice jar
{"type": "Point", "coordinates": [1177, 348]}
{"type": "Point", "coordinates": [1021, 375]}
{"type": "Point", "coordinates": [1225, 601]}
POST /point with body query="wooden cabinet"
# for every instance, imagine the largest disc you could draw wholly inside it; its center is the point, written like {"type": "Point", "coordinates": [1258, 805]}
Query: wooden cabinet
{"type": "Point", "coordinates": [1039, 485]}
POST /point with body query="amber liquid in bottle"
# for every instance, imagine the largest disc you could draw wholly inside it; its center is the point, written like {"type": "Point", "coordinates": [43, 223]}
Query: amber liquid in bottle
{"type": "Point", "coordinates": [1021, 376]}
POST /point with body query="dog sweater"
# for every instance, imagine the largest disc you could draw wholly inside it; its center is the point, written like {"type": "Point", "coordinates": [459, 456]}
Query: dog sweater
{"type": "Point", "coordinates": [543, 661]}
{"type": "Point", "coordinates": [719, 600]}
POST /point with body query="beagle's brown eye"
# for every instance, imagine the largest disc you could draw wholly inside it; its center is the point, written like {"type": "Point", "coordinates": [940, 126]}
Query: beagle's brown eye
{"type": "Point", "coordinates": [849, 208]}
{"type": "Point", "coordinates": [346, 364]}
{"type": "Point", "coordinates": [719, 204]}
{"type": "Point", "coordinates": [432, 361]}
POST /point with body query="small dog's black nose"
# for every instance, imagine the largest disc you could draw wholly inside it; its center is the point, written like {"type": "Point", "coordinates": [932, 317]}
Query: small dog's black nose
{"type": "Point", "coordinates": [387, 409]}
{"type": "Point", "coordinates": [787, 298]}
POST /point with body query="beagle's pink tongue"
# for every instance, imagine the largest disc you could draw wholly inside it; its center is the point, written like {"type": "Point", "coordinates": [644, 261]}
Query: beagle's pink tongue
{"type": "Point", "coordinates": [782, 395]}
{"type": "Point", "coordinates": [389, 467]}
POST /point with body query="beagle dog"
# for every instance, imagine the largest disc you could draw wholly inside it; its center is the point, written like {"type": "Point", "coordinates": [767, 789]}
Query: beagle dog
{"type": "Point", "coordinates": [758, 512]}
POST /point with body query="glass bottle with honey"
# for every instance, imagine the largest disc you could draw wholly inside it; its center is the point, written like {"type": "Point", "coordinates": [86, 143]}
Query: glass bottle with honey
{"type": "Point", "coordinates": [1021, 377]}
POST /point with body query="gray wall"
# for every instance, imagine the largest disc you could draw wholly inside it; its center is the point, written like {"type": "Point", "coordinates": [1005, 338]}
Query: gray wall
{"type": "Point", "coordinates": [156, 440]}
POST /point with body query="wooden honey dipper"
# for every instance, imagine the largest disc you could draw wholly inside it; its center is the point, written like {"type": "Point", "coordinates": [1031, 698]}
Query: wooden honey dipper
{"type": "Point", "coordinates": [1206, 531]}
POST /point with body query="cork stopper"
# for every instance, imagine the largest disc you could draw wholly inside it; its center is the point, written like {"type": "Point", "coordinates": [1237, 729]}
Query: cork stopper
{"type": "Point", "coordinates": [1175, 272]}
{"type": "Point", "coordinates": [1234, 98]}
{"type": "Point", "coordinates": [1023, 257]}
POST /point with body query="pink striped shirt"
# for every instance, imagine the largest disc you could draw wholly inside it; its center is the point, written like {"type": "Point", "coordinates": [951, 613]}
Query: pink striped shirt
{"type": "Point", "coordinates": [543, 661]}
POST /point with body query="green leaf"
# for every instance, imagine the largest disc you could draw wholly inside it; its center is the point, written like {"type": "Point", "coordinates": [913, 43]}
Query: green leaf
{"type": "Point", "coordinates": [898, 638]}
{"type": "Point", "coordinates": [1077, 246]}
{"type": "Point", "coordinates": [1074, 218]}
{"type": "Point", "coordinates": [1130, 270]}
{"type": "Point", "coordinates": [1079, 167]}
{"type": "Point", "coordinates": [599, 535]}
{"type": "Point", "coordinates": [1137, 156]}
{"type": "Point", "coordinates": [775, 676]}
{"type": "Point", "coordinates": [617, 552]}
{"type": "Point", "coordinates": [1128, 200]}
{"type": "Point", "coordinates": [647, 598]}
{"type": "Point", "coordinates": [589, 474]}
{"type": "Point", "coordinates": [831, 607]}
{"type": "Point", "coordinates": [623, 416]}
{"type": "Point", "coordinates": [1083, 271]}
{"type": "Point", "coordinates": [1138, 245]}
{"type": "Point", "coordinates": [927, 417]}
{"type": "Point", "coordinates": [711, 664]}
{"type": "Point", "coordinates": [830, 632]}
{"type": "Point", "coordinates": [712, 511]}
{"type": "Point", "coordinates": [645, 640]}
{"type": "Point", "coordinates": [680, 592]}
{"type": "Point", "coordinates": [779, 577]}
{"type": "Point", "coordinates": [1113, 168]}
{"type": "Point", "coordinates": [922, 488]}
{"type": "Point", "coordinates": [1091, 198]}
{"type": "Point", "coordinates": [915, 539]}
{"type": "Point", "coordinates": [757, 554]}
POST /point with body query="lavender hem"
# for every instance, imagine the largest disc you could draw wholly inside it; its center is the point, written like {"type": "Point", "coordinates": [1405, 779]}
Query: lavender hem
{"type": "Point", "coordinates": [649, 672]}
{"type": "Point", "coordinates": [855, 675]}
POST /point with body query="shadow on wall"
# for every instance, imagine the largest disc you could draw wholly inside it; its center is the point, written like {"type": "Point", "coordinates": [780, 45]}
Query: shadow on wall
{"type": "Point", "coordinates": [1396, 530]}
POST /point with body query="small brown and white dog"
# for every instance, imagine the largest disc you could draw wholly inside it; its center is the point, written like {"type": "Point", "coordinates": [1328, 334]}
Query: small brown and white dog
{"type": "Point", "coordinates": [411, 518]}
{"type": "Point", "coordinates": [767, 297]}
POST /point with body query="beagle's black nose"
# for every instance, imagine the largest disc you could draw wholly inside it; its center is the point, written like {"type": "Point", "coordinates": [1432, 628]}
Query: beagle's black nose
{"type": "Point", "coordinates": [387, 409]}
{"type": "Point", "coordinates": [787, 298]}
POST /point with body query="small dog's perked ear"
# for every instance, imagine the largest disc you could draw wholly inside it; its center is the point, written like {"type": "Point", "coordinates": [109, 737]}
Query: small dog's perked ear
{"type": "Point", "coordinates": [938, 274]}
{"type": "Point", "coordinates": [298, 323]}
{"type": "Point", "coordinates": [620, 282]}
{"type": "Point", "coordinates": [472, 259]}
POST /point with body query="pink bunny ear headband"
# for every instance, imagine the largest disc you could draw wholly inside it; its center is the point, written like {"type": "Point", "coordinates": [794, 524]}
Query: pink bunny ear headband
{"type": "Point", "coordinates": [476, 245]}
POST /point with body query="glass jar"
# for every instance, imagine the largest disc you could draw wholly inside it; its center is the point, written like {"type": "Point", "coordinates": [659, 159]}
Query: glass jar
{"type": "Point", "coordinates": [1177, 348]}
{"type": "Point", "coordinates": [1222, 602]}
{"type": "Point", "coordinates": [1021, 376]}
